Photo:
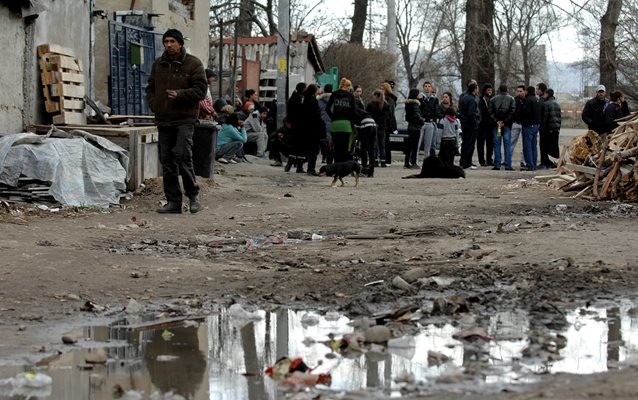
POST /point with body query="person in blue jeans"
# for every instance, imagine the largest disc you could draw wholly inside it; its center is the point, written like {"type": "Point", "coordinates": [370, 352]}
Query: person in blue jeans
{"type": "Point", "coordinates": [502, 108]}
{"type": "Point", "coordinates": [531, 124]}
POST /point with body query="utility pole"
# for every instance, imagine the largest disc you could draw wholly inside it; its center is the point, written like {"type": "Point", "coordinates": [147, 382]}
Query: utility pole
{"type": "Point", "coordinates": [283, 41]}
{"type": "Point", "coordinates": [392, 26]}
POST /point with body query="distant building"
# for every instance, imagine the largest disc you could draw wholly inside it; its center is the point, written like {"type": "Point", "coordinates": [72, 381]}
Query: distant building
{"type": "Point", "coordinates": [258, 55]}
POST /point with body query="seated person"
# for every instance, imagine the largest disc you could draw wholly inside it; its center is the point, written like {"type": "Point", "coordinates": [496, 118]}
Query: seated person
{"type": "Point", "coordinates": [279, 144]}
{"type": "Point", "coordinates": [256, 129]}
{"type": "Point", "coordinates": [230, 140]}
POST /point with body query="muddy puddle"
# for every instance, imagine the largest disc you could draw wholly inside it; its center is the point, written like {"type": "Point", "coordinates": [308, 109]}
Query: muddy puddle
{"type": "Point", "coordinates": [223, 355]}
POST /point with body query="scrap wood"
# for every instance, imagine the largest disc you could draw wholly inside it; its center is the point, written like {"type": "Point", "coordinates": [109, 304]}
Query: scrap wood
{"type": "Point", "coordinates": [604, 171]}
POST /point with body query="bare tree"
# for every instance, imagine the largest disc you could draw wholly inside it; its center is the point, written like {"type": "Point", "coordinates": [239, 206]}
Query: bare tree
{"type": "Point", "coordinates": [607, 58]}
{"type": "Point", "coordinates": [627, 51]}
{"type": "Point", "coordinates": [519, 29]}
{"type": "Point", "coordinates": [478, 54]}
{"type": "Point", "coordinates": [359, 21]}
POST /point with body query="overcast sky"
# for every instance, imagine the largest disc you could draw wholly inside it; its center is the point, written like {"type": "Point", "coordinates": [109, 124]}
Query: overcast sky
{"type": "Point", "coordinates": [564, 46]}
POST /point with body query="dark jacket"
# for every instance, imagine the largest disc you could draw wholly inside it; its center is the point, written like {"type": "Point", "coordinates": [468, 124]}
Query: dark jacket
{"type": "Point", "coordinates": [413, 114]}
{"type": "Point", "coordinates": [487, 123]}
{"type": "Point", "coordinates": [594, 115]}
{"type": "Point", "coordinates": [323, 100]}
{"type": "Point", "coordinates": [518, 112]}
{"type": "Point", "coordinates": [469, 113]}
{"type": "Point", "coordinates": [313, 126]}
{"type": "Point", "coordinates": [531, 110]}
{"type": "Point", "coordinates": [341, 106]}
{"type": "Point", "coordinates": [392, 120]}
{"type": "Point", "coordinates": [613, 111]}
{"type": "Point", "coordinates": [379, 114]}
{"type": "Point", "coordinates": [185, 75]}
{"type": "Point", "coordinates": [550, 115]}
{"type": "Point", "coordinates": [428, 108]}
{"type": "Point", "coordinates": [502, 108]}
{"type": "Point", "coordinates": [293, 109]}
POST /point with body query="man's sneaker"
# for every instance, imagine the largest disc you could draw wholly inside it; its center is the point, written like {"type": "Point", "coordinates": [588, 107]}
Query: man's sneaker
{"type": "Point", "coordinates": [244, 159]}
{"type": "Point", "coordinates": [172, 207]}
{"type": "Point", "coordinates": [232, 161]}
{"type": "Point", "coordinates": [194, 204]}
{"type": "Point", "coordinates": [473, 166]}
{"type": "Point", "coordinates": [277, 164]}
{"type": "Point", "coordinates": [222, 160]}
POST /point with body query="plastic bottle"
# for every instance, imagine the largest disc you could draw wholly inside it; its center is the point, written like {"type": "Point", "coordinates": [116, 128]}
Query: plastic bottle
{"type": "Point", "coordinates": [498, 131]}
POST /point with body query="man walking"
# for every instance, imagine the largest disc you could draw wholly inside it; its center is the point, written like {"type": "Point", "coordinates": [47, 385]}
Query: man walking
{"type": "Point", "coordinates": [502, 108]}
{"type": "Point", "coordinates": [176, 85]}
{"type": "Point", "coordinates": [550, 128]}
{"type": "Point", "coordinates": [470, 118]}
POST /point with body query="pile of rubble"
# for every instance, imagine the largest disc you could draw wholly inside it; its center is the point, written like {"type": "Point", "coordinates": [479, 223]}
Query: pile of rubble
{"type": "Point", "coordinates": [603, 171]}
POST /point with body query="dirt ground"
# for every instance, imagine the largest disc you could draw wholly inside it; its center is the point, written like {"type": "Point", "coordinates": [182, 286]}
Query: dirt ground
{"type": "Point", "coordinates": [495, 230]}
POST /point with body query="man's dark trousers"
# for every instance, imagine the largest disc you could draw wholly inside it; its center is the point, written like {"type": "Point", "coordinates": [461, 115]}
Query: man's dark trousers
{"type": "Point", "coordinates": [176, 156]}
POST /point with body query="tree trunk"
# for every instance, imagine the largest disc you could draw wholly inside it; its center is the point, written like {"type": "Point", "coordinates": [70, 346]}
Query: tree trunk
{"type": "Point", "coordinates": [607, 58]}
{"type": "Point", "coordinates": [359, 21]}
{"type": "Point", "coordinates": [478, 54]}
{"type": "Point", "coordinates": [246, 14]}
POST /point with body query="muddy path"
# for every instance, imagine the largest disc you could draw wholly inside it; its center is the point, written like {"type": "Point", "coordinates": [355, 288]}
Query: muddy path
{"type": "Point", "coordinates": [495, 242]}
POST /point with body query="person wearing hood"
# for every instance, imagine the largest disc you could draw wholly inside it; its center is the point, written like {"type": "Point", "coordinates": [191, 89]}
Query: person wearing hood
{"type": "Point", "coordinates": [415, 123]}
{"type": "Point", "coordinates": [176, 85]}
{"type": "Point", "coordinates": [341, 110]}
{"type": "Point", "coordinates": [314, 128]}
{"type": "Point", "coordinates": [550, 128]}
{"type": "Point", "coordinates": [297, 157]}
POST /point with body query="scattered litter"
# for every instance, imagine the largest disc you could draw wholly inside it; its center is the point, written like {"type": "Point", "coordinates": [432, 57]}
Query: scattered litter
{"type": "Point", "coordinates": [167, 335]}
{"type": "Point", "coordinates": [316, 237]}
{"type": "Point", "coordinates": [97, 356]}
{"type": "Point", "coordinates": [380, 281]}
{"type": "Point", "coordinates": [93, 307]}
{"type": "Point", "coordinates": [472, 334]}
{"type": "Point", "coordinates": [166, 358]}
{"type": "Point", "coordinates": [400, 283]}
{"type": "Point", "coordinates": [133, 307]}
{"type": "Point", "coordinates": [295, 372]}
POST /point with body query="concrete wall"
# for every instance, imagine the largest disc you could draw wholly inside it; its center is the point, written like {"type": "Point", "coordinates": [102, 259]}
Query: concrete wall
{"type": "Point", "coordinates": [66, 23]}
{"type": "Point", "coordinates": [12, 31]}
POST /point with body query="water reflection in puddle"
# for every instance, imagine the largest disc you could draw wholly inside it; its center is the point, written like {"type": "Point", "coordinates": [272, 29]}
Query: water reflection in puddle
{"type": "Point", "coordinates": [210, 360]}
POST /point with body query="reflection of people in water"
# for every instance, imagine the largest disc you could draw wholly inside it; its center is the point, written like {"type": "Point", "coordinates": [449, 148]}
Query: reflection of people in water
{"type": "Point", "coordinates": [183, 375]}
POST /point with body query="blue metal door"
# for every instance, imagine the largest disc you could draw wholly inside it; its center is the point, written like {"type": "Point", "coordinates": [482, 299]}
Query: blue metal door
{"type": "Point", "coordinates": [132, 51]}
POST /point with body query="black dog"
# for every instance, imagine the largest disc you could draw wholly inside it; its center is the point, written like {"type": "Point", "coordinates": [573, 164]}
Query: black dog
{"type": "Point", "coordinates": [340, 170]}
{"type": "Point", "coordinates": [433, 167]}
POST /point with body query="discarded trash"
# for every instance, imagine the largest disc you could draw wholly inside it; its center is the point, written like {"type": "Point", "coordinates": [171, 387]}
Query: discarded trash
{"type": "Point", "coordinates": [165, 358]}
{"type": "Point", "coordinates": [167, 335]}
{"type": "Point", "coordinates": [238, 312]}
{"type": "Point", "coordinates": [91, 306]}
{"type": "Point", "coordinates": [294, 372]}
{"type": "Point", "coordinates": [400, 283]}
{"type": "Point", "coordinates": [97, 356]}
{"type": "Point", "coordinates": [68, 339]}
{"type": "Point", "coordinates": [472, 334]}
{"type": "Point", "coordinates": [436, 358]}
{"type": "Point", "coordinates": [133, 307]}
{"type": "Point", "coordinates": [28, 380]}
{"type": "Point", "coordinates": [374, 283]}
{"type": "Point", "coordinates": [316, 237]}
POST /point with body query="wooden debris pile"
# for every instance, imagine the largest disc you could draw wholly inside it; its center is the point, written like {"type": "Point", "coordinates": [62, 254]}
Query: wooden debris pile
{"type": "Point", "coordinates": [27, 191]}
{"type": "Point", "coordinates": [63, 84]}
{"type": "Point", "coordinates": [604, 171]}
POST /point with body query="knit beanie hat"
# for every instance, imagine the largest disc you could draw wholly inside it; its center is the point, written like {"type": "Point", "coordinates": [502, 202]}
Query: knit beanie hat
{"type": "Point", "coordinates": [174, 33]}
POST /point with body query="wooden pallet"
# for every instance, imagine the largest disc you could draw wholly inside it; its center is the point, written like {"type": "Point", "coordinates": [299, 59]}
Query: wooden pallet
{"type": "Point", "coordinates": [63, 84]}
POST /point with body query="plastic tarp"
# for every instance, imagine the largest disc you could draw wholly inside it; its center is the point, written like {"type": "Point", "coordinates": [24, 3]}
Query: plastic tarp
{"type": "Point", "coordinates": [84, 169]}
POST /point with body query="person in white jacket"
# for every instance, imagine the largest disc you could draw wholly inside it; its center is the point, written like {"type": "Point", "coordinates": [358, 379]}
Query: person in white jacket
{"type": "Point", "coordinates": [256, 130]}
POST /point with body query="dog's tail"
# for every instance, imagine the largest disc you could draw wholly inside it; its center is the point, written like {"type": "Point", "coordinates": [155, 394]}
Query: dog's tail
{"type": "Point", "coordinates": [412, 176]}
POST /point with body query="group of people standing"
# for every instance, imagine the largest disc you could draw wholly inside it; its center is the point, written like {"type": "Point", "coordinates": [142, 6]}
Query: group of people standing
{"type": "Point", "coordinates": [337, 124]}
{"type": "Point", "coordinates": [495, 122]}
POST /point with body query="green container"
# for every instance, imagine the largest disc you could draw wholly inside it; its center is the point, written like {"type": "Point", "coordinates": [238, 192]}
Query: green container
{"type": "Point", "coordinates": [331, 76]}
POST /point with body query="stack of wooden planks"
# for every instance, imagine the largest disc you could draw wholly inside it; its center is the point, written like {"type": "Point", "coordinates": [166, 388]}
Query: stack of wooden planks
{"type": "Point", "coordinates": [604, 171]}
{"type": "Point", "coordinates": [63, 84]}
{"type": "Point", "coordinates": [27, 191]}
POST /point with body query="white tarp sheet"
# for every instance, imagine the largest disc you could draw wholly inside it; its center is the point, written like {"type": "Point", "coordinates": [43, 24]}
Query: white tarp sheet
{"type": "Point", "coordinates": [84, 169]}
